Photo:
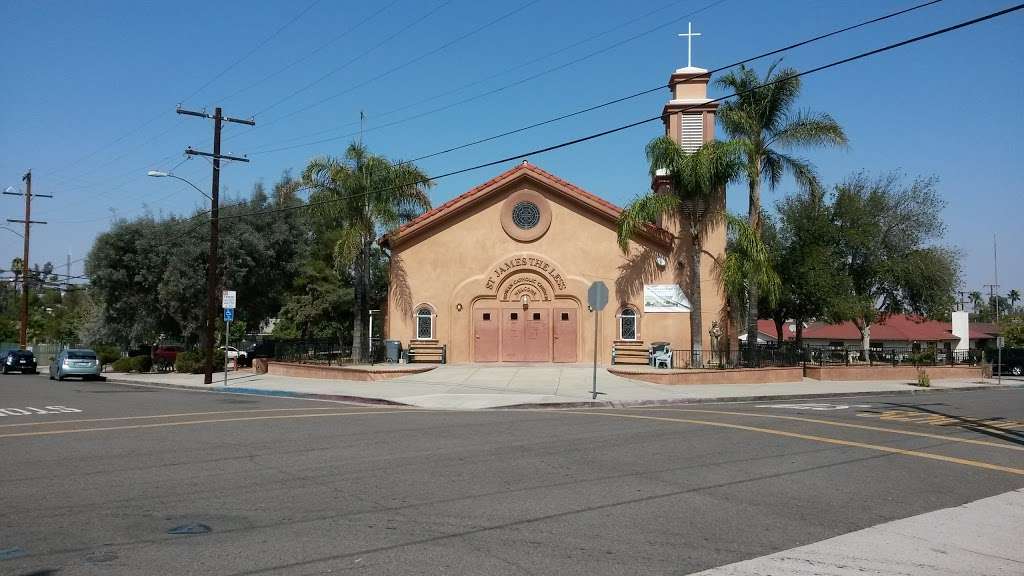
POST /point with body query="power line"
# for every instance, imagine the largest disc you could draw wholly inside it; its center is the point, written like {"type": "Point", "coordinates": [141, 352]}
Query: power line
{"type": "Point", "coordinates": [534, 76]}
{"type": "Point", "coordinates": [354, 59]}
{"type": "Point", "coordinates": [159, 115]}
{"type": "Point", "coordinates": [405, 64]}
{"type": "Point", "coordinates": [603, 104]}
{"type": "Point", "coordinates": [308, 55]}
{"type": "Point", "coordinates": [623, 127]}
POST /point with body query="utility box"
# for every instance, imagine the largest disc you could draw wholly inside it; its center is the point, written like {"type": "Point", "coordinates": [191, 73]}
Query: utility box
{"type": "Point", "coordinates": [392, 351]}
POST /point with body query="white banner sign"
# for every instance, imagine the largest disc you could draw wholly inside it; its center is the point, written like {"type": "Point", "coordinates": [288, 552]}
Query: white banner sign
{"type": "Point", "coordinates": [228, 299]}
{"type": "Point", "coordinates": [665, 298]}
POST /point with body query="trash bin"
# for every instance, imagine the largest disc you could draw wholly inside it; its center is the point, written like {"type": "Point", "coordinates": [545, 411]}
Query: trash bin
{"type": "Point", "coordinates": [393, 350]}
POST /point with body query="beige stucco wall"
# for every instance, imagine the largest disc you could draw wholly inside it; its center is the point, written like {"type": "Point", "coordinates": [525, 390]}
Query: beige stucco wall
{"type": "Point", "coordinates": [454, 264]}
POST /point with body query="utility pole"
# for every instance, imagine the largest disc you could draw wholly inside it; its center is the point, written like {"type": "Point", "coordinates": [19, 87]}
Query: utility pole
{"type": "Point", "coordinates": [28, 221]}
{"type": "Point", "coordinates": [993, 298]}
{"type": "Point", "coordinates": [211, 263]}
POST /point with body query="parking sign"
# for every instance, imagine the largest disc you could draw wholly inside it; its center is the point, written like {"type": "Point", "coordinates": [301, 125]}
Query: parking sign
{"type": "Point", "coordinates": [229, 314]}
{"type": "Point", "coordinates": [228, 299]}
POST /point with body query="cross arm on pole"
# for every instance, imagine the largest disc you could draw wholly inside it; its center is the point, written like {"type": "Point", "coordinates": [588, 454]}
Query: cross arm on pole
{"type": "Point", "coordinates": [193, 152]}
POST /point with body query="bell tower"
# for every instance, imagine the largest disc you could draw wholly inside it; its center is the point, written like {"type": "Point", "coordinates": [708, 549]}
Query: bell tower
{"type": "Point", "coordinates": [689, 116]}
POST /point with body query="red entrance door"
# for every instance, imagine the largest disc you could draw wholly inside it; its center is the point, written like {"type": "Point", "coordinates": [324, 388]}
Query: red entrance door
{"type": "Point", "coordinates": [513, 343]}
{"type": "Point", "coordinates": [566, 335]}
{"type": "Point", "coordinates": [485, 332]}
{"type": "Point", "coordinates": [538, 335]}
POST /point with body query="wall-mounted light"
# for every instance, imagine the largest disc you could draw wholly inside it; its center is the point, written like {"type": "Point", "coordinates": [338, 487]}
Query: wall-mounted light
{"type": "Point", "coordinates": [526, 301]}
{"type": "Point", "coordinates": [458, 307]}
{"type": "Point", "coordinates": [661, 262]}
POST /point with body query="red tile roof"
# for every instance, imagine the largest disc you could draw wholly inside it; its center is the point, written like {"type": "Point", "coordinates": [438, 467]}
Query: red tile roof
{"type": "Point", "coordinates": [568, 189]}
{"type": "Point", "coordinates": [899, 327]}
{"type": "Point", "coordinates": [767, 327]}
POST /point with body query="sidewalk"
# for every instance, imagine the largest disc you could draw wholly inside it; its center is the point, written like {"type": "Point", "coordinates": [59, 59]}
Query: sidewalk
{"type": "Point", "coordinates": [468, 387]}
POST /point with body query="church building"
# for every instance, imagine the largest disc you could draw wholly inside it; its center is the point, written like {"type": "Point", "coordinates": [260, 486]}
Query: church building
{"type": "Point", "coordinates": [500, 273]}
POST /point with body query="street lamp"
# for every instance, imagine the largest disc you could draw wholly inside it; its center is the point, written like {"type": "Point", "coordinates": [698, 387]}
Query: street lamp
{"type": "Point", "coordinates": [159, 174]}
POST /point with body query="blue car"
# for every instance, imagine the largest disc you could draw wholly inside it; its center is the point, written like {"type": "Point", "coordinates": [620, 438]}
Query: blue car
{"type": "Point", "coordinates": [82, 363]}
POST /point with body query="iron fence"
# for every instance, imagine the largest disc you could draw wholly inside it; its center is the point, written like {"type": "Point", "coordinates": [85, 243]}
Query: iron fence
{"type": "Point", "coordinates": [759, 357]}
{"type": "Point", "coordinates": [323, 351]}
{"type": "Point", "coordinates": [897, 356]}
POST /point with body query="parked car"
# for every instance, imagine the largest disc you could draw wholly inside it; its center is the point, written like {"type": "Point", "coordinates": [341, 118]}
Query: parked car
{"type": "Point", "coordinates": [23, 361]}
{"type": "Point", "coordinates": [1013, 362]}
{"type": "Point", "coordinates": [76, 362]}
{"type": "Point", "coordinates": [264, 349]}
{"type": "Point", "coordinates": [164, 356]}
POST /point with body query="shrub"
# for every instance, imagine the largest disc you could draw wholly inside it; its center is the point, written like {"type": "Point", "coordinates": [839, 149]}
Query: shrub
{"type": "Point", "coordinates": [122, 365]}
{"type": "Point", "coordinates": [192, 363]}
{"type": "Point", "coordinates": [923, 380]}
{"type": "Point", "coordinates": [107, 353]}
{"type": "Point", "coordinates": [141, 363]}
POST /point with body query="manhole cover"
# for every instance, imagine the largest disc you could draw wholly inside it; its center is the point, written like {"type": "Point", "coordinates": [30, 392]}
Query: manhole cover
{"type": "Point", "coordinates": [193, 528]}
{"type": "Point", "coordinates": [12, 553]}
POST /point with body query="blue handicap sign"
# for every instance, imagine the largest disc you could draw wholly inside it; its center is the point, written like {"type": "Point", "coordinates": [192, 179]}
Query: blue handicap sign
{"type": "Point", "coordinates": [229, 314]}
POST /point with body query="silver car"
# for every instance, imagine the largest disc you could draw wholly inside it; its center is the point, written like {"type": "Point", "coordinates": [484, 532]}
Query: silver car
{"type": "Point", "coordinates": [79, 362]}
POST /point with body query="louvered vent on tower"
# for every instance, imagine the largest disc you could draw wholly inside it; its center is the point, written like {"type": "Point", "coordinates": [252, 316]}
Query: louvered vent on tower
{"type": "Point", "coordinates": [692, 128]}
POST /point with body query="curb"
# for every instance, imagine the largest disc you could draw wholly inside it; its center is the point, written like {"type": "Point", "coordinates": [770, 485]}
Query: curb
{"type": "Point", "coordinates": [763, 398]}
{"type": "Point", "coordinates": [263, 392]}
{"type": "Point", "coordinates": [562, 405]}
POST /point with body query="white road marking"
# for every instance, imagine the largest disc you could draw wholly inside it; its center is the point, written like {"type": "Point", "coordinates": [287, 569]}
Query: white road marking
{"type": "Point", "coordinates": [31, 411]}
{"type": "Point", "coordinates": [979, 538]}
{"type": "Point", "coordinates": [820, 407]}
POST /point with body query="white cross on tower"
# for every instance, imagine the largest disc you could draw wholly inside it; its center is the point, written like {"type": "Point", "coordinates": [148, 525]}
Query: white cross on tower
{"type": "Point", "coordinates": [689, 43]}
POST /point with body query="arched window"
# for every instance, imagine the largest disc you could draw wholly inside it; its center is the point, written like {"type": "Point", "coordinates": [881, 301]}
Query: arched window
{"type": "Point", "coordinates": [628, 324]}
{"type": "Point", "coordinates": [424, 323]}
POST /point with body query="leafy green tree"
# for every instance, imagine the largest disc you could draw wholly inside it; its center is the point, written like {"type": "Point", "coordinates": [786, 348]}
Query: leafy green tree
{"type": "Point", "coordinates": [696, 200]}
{"type": "Point", "coordinates": [1013, 296]}
{"type": "Point", "coordinates": [762, 120]}
{"type": "Point", "coordinates": [1013, 332]}
{"type": "Point", "coordinates": [886, 234]}
{"type": "Point", "coordinates": [805, 259]}
{"type": "Point", "coordinates": [361, 196]}
{"type": "Point", "coordinates": [976, 300]}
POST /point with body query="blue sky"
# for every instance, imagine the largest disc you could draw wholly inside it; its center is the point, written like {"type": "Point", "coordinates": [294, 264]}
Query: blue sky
{"type": "Point", "coordinates": [90, 90]}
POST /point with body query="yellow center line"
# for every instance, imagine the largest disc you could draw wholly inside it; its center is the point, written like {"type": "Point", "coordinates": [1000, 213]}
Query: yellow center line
{"type": "Point", "coordinates": [115, 418]}
{"type": "Point", "coordinates": [836, 441]}
{"type": "Point", "coordinates": [847, 425]}
{"type": "Point", "coordinates": [191, 422]}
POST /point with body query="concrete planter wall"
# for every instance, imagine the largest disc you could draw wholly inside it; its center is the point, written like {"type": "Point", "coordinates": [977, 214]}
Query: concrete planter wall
{"type": "Point", "coordinates": [361, 373]}
{"type": "Point", "coordinates": [890, 372]}
{"type": "Point", "coordinates": [734, 376]}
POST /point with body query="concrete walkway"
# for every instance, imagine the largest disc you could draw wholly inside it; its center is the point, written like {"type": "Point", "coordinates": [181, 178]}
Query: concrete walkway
{"type": "Point", "coordinates": [471, 386]}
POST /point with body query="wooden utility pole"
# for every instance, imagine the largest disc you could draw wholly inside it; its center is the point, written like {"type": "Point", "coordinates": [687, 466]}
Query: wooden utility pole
{"type": "Point", "coordinates": [212, 282]}
{"type": "Point", "coordinates": [28, 221]}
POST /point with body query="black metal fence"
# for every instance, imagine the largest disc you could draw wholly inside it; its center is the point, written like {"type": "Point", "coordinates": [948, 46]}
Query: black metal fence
{"type": "Point", "coordinates": [759, 357]}
{"type": "Point", "coordinates": [791, 356]}
{"type": "Point", "coordinates": [323, 351]}
{"type": "Point", "coordinates": [905, 356]}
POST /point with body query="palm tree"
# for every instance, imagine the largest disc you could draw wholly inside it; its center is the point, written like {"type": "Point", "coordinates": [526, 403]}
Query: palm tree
{"type": "Point", "coordinates": [363, 196]}
{"type": "Point", "coordinates": [762, 121]}
{"type": "Point", "coordinates": [1013, 297]}
{"type": "Point", "coordinates": [697, 199]}
{"type": "Point", "coordinates": [976, 300]}
{"type": "Point", "coordinates": [748, 268]}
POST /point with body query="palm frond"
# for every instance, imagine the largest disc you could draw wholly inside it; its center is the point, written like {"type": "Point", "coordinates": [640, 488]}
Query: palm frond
{"type": "Point", "coordinates": [640, 213]}
{"type": "Point", "coordinates": [809, 129]}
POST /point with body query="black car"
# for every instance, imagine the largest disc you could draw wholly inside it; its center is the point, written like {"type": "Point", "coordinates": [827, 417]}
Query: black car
{"type": "Point", "coordinates": [1013, 362]}
{"type": "Point", "coordinates": [23, 361]}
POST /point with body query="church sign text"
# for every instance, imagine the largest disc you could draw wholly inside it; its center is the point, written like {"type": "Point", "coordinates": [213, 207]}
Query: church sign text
{"type": "Point", "coordinates": [525, 262]}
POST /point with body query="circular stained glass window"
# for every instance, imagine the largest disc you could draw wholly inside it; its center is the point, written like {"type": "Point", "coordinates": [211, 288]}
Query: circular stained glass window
{"type": "Point", "coordinates": [525, 215]}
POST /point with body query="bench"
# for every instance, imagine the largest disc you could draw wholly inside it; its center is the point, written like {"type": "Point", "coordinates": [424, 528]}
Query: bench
{"type": "Point", "coordinates": [631, 353]}
{"type": "Point", "coordinates": [427, 351]}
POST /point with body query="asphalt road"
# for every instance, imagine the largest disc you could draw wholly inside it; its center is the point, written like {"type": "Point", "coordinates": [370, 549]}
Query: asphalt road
{"type": "Point", "coordinates": [94, 475]}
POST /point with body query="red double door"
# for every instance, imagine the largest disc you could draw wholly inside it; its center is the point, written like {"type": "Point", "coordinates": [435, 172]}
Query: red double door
{"type": "Point", "coordinates": [532, 335]}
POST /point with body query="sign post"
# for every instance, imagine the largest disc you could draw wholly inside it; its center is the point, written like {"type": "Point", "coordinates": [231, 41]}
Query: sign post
{"type": "Point", "coordinates": [999, 359]}
{"type": "Point", "coordinates": [228, 302]}
{"type": "Point", "coordinates": [597, 299]}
